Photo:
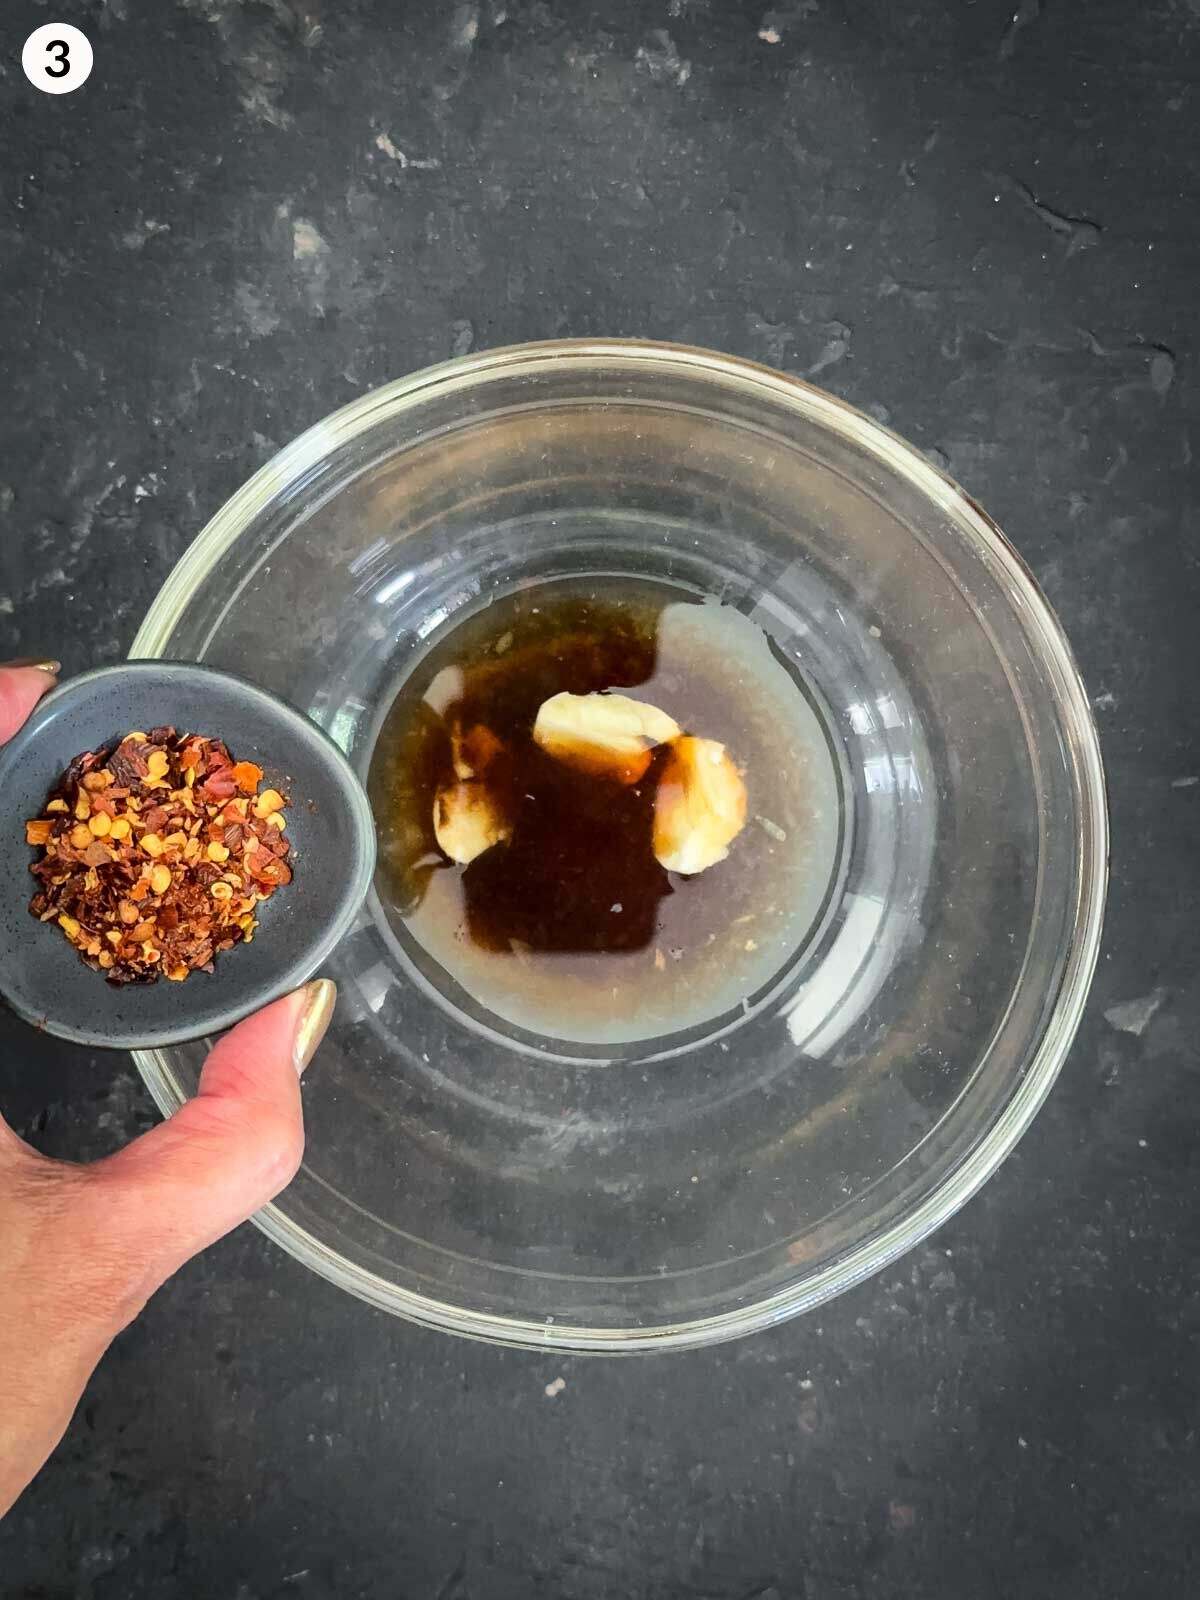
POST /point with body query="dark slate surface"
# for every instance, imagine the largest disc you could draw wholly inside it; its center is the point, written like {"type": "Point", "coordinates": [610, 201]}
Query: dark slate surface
{"type": "Point", "coordinates": [979, 224]}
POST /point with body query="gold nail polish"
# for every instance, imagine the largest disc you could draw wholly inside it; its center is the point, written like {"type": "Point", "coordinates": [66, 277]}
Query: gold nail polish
{"type": "Point", "coordinates": [320, 996]}
{"type": "Point", "coordinates": [42, 664]}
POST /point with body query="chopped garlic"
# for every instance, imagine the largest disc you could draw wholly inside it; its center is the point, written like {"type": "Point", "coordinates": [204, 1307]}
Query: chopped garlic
{"type": "Point", "coordinates": [607, 735]}
{"type": "Point", "coordinates": [700, 807]}
{"type": "Point", "coordinates": [467, 821]}
{"type": "Point", "coordinates": [474, 751]}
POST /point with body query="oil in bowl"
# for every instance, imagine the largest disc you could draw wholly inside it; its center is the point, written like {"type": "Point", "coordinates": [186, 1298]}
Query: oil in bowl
{"type": "Point", "coordinates": [568, 926]}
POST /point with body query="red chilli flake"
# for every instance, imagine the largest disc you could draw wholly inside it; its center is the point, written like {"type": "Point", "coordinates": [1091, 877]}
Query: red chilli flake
{"type": "Point", "coordinates": [155, 852]}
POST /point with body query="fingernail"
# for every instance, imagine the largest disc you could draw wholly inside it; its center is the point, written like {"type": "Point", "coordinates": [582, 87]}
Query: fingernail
{"type": "Point", "coordinates": [319, 998]}
{"type": "Point", "coordinates": [42, 665]}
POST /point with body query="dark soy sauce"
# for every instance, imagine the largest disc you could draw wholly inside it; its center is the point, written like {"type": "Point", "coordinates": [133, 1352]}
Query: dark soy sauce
{"type": "Point", "coordinates": [571, 928]}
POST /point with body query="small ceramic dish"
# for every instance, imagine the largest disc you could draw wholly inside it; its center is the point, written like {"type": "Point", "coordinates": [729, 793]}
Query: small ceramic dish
{"type": "Point", "coordinates": [329, 824]}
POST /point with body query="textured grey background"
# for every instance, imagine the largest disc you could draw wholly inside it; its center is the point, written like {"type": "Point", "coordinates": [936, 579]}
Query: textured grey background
{"type": "Point", "coordinates": [978, 224]}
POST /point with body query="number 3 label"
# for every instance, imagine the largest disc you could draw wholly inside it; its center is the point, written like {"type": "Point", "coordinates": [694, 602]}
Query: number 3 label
{"type": "Point", "coordinates": [57, 58]}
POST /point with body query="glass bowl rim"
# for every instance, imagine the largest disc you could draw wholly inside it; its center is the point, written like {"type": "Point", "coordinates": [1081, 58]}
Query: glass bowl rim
{"type": "Point", "coordinates": [812, 1287]}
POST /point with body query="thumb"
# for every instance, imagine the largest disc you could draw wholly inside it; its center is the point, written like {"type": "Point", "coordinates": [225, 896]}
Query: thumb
{"type": "Point", "coordinates": [227, 1151]}
{"type": "Point", "coordinates": [22, 685]}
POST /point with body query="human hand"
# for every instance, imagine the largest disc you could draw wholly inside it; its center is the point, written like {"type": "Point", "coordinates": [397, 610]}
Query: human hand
{"type": "Point", "coordinates": [82, 1248]}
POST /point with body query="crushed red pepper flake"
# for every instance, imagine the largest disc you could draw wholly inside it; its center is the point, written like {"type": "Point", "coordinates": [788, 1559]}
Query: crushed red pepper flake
{"type": "Point", "coordinates": [155, 852]}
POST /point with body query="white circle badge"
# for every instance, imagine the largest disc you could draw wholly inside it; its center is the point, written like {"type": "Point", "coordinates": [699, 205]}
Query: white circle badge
{"type": "Point", "coordinates": [57, 58]}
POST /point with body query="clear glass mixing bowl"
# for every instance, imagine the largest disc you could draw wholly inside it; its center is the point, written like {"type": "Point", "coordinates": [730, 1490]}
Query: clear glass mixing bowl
{"type": "Point", "coordinates": [683, 1190]}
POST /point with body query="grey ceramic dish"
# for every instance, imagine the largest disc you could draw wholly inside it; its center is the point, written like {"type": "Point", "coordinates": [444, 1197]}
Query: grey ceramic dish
{"type": "Point", "coordinates": [329, 824]}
